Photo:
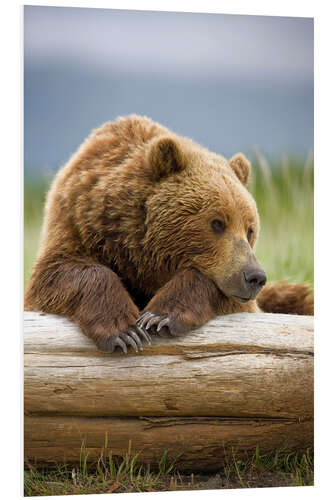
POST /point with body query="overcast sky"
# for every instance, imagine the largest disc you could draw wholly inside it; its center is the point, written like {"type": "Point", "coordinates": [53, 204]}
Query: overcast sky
{"type": "Point", "coordinates": [230, 82]}
{"type": "Point", "coordinates": [189, 45]}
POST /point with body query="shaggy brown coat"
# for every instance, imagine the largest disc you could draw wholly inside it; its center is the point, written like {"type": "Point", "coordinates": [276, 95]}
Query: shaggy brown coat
{"type": "Point", "coordinates": [130, 225]}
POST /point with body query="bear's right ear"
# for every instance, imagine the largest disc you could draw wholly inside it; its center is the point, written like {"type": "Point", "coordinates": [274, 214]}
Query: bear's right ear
{"type": "Point", "coordinates": [241, 167]}
{"type": "Point", "coordinates": [165, 157]}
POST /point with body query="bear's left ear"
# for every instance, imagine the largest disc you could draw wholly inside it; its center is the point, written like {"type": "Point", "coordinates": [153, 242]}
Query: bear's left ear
{"type": "Point", "coordinates": [165, 156]}
{"type": "Point", "coordinates": [241, 166]}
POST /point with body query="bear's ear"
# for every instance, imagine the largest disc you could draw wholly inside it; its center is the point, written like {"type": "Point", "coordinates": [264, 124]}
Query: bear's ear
{"type": "Point", "coordinates": [165, 157]}
{"type": "Point", "coordinates": [241, 166]}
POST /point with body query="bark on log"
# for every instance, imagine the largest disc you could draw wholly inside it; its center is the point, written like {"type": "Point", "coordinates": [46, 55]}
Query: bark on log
{"type": "Point", "coordinates": [240, 381]}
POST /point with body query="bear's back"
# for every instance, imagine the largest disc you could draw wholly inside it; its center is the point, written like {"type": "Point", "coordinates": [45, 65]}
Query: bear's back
{"type": "Point", "coordinates": [95, 203]}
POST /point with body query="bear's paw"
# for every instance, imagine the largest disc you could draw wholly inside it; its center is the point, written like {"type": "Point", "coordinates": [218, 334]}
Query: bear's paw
{"type": "Point", "coordinates": [130, 338]}
{"type": "Point", "coordinates": [161, 324]}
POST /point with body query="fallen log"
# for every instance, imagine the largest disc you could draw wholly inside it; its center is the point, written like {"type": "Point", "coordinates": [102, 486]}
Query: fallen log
{"type": "Point", "coordinates": [240, 381]}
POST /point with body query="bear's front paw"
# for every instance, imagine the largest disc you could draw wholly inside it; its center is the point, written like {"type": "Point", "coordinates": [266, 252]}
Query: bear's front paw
{"type": "Point", "coordinates": [129, 338]}
{"type": "Point", "coordinates": [162, 323]}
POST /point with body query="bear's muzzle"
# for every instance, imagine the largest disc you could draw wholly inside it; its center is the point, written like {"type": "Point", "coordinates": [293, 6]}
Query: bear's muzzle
{"type": "Point", "coordinates": [245, 283]}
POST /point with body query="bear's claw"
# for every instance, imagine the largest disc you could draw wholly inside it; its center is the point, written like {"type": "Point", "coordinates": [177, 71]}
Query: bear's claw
{"type": "Point", "coordinates": [129, 341]}
{"type": "Point", "coordinates": [111, 343]}
{"type": "Point", "coordinates": [149, 319]}
{"type": "Point", "coordinates": [143, 333]}
{"type": "Point", "coordinates": [129, 338]}
{"type": "Point", "coordinates": [135, 339]}
{"type": "Point", "coordinates": [143, 318]}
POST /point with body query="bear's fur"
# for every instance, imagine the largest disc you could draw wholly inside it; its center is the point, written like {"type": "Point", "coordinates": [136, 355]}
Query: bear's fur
{"type": "Point", "coordinates": [141, 219]}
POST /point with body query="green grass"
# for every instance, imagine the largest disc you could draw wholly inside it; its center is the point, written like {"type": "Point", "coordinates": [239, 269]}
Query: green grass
{"type": "Point", "coordinates": [34, 197]}
{"type": "Point", "coordinates": [110, 475]}
{"type": "Point", "coordinates": [284, 195]}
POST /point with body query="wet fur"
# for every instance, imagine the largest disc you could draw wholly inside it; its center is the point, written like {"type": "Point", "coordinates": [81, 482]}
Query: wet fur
{"type": "Point", "coordinates": [127, 227]}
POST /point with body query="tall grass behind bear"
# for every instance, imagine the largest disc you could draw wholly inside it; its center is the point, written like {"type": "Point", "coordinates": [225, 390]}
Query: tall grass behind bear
{"type": "Point", "coordinates": [147, 232]}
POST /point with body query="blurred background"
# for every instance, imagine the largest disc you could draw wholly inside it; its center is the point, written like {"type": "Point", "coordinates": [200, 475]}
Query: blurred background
{"type": "Point", "coordinates": [232, 83]}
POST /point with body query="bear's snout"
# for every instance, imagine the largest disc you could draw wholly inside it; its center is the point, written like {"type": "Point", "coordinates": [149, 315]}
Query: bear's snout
{"type": "Point", "coordinates": [254, 279]}
{"type": "Point", "coordinates": [244, 284]}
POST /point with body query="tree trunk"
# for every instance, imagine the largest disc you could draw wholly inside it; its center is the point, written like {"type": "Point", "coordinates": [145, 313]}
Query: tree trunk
{"type": "Point", "coordinates": [240, 381]}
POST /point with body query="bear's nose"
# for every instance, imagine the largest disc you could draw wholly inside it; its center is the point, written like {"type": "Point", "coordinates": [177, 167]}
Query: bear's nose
{"type": "Point", "coordinates": [255, 278]}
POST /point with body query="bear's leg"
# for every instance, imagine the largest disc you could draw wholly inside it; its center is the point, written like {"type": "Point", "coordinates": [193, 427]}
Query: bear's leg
{"type": "Point", "coordinates": [91, 295]}
{"type": "Point", "coordinates": [286, 298]}
{"type": "Point", "coordinates": [187, 301]}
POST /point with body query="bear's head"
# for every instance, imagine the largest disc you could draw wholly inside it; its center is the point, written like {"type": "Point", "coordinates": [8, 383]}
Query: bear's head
{"type": "Point", "coordinates": [201, 215]}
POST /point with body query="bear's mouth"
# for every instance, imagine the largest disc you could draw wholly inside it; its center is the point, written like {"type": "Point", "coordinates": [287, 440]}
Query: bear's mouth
{"type": "Point", "coordinates": [242, 299]}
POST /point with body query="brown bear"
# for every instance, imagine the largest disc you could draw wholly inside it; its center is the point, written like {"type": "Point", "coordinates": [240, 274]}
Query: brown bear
{"type": "Point", "coordinates": [148, 232]}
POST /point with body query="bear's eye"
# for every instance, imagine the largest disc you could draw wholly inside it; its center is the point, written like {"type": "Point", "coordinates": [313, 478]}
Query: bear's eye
{"type": "Point", "coordinates": [218, 226]}
{"type": "Point", "coordinates": [249, 234]}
